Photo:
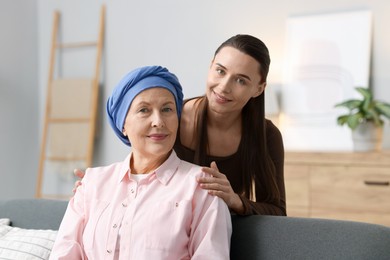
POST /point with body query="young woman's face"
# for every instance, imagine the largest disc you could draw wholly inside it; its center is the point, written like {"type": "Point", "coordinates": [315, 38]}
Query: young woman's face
{"type": "Point", "coordinates": [151, 123]}
{"type": "Point", "coordinates": [233, 79]}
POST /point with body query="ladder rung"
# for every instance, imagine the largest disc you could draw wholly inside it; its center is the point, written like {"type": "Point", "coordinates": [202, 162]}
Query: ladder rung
{"type": "Point", "coordinates": [57, 158]}
{"type": "Point", "coordinates": [69, 120]}
{"type": "Point", "coordinates": [75, 45]}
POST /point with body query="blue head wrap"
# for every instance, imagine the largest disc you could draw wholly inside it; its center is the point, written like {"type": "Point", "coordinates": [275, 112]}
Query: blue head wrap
{"type": "Point", "coordinates": [131, 85]}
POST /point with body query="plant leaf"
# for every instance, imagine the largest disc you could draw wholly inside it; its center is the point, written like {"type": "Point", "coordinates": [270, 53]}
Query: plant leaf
{"type": "Point", "coordinates": [367, 99]}
{"type": "Point", "coordinates": [366, 109]}
{"type": "Point", "coordinates": [365, 92]}
{"type": "Point", "coordinates": [354, 120]}
{"type": "Point", "coordinates": [341, 120]}
{"type": "Point", "coordinates": [350, 104]}
{"type": "Point", "coordinates": [383, 108]}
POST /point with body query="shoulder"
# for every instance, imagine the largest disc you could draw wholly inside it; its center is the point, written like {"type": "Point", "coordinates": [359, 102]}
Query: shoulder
{"type": "Point", "coordinates": [189, 111]}
{"type": "Point", "coordinates": [187, 121]}
{"type": "Point", "coordinates": [104, 169]}
{"type": "Point", "coordinates": [275, 144]}
{"type": "Point", "coordinates": [273, 132]}
{"type": "Point", "coordinates": [102, 173]}
{"type": "Point", "coordinates": [191, 171]}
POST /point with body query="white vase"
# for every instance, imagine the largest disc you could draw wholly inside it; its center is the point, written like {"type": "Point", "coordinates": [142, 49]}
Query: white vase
{"type": "Point", "coordinates": [367, 137]}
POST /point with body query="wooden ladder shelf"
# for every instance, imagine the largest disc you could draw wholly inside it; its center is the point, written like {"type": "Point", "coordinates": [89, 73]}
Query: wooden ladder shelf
{"type": "Point", "coordinates": [69, 120]}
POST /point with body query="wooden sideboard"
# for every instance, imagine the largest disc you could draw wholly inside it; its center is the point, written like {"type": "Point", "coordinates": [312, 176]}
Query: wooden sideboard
{"type": "Point", "coordinates": [339, 185]}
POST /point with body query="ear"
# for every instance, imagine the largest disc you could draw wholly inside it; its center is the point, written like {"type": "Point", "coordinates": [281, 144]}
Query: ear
{"type": "Point", "coordinates": [260, 89]}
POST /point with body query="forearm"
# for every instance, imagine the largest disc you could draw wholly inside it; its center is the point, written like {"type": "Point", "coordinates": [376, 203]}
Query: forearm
{"type": "Point", "coordinates": [276, 151]}
{"type": "Point", "coordinates": [262, 208]}
{"type": "Point", "coordinates": [68, 244]}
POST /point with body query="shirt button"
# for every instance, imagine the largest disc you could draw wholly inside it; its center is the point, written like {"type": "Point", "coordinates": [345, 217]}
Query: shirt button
{"type": "Point", "coordinates": [124, 204]}
{"type": "Point", "coordinates": [114, 226]}
{"type": "Point", "coordinates": [109, 251]}
{"type": "Point", "coordinates": [132, 191]}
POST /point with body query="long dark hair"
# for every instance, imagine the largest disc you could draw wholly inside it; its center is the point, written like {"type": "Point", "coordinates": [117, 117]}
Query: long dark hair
{"type": "Point", "coordinates": [257, 166]}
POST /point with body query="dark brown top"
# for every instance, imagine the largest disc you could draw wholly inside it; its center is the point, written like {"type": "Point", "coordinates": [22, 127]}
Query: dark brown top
{"type": "Point", "coordinates": [231, 166]}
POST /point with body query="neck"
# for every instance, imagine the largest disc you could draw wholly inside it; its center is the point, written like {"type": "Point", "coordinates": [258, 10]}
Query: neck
{"type": "Point", "coordinates": [141, 164]}
{"type": "Point", "coordinates": [223, 121]}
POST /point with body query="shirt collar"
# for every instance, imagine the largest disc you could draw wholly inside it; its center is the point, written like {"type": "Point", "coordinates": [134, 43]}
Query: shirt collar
{"type": "Point", "coordinates": [163, 173]}
{"type": "Point", "coordinates": [125, 169]}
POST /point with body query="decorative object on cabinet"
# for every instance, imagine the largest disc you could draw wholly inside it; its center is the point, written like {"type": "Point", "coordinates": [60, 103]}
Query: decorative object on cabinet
{"type": "Point", "coordinates": [365, 119]}
{"type": "Point", "coordinates": [339, 185]}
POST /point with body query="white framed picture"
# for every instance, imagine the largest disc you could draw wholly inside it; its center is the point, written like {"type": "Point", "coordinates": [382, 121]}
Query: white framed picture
{"type": "Point", "coordinates": [327, 56]}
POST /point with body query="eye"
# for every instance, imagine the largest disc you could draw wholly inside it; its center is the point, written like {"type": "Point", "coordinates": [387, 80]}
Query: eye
{"type": "Point", "coordinates": [143, 110]}
{"type": "Point", "coordinates": [167, 109]}
{"type": "Point", "coordinates": [241, 81]}
{"type": "Point", "coordinates": [220, 71]}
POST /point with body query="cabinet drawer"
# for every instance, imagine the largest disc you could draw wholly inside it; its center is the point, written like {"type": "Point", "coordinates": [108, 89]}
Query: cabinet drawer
{"type": "Point", "coordinates": [297, 185]}
{"type": "Point", "coordinates": [294, 211]}
{"type": "Point", "coordinates": [355, 190]}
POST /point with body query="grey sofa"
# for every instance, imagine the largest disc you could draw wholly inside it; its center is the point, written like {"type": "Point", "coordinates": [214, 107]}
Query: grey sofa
{"type": "Point", "coordinates": [254, 237]}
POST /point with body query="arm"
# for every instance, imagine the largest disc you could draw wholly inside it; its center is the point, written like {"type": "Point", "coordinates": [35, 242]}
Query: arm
{"type": "Point", "coordinates": [68, 244]}
{"type": "Point", "coordinates": [276, 151]}
{"type": "Point", "coordinates": [211, 227]}
{"type": "Point", "coordinates": [220, 186]}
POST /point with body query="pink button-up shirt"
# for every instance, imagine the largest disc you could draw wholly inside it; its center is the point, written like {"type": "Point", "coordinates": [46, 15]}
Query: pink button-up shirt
{"type": "Point", "coordinates": [164, 216]}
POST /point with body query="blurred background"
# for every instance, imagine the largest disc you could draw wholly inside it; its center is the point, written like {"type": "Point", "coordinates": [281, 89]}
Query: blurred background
{"type": "Point", "coordinates": [181, 35]}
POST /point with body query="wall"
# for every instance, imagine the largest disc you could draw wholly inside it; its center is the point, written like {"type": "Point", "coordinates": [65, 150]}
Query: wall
{"type": "Point", "coordinates": [181, 35]}
{"type": "Point", "coordinates": [19, 99]}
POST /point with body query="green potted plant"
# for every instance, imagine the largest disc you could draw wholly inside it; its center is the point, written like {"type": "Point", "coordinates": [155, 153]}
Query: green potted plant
{"type": "Point", "coordinates": [365, 119]}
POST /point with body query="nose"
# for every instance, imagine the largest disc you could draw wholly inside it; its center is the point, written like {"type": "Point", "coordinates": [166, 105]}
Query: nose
{"type": "Point", "coordinates": [225, 86]}
{"type": "Point", "coordinates": [157, 120]}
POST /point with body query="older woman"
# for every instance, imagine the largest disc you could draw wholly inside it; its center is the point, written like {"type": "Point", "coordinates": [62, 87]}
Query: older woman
{"type": "Point", "coordinates": [150, 205]}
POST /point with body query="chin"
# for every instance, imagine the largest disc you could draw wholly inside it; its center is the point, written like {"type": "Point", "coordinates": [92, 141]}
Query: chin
{"type": "Point", "coordinates": [159, 151]}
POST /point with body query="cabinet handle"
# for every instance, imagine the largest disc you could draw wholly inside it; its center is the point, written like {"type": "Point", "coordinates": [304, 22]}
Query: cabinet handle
{"type": "Point", "coordinates": [377, 183]}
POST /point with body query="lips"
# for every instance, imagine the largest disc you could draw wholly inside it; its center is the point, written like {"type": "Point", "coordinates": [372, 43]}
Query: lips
{"type": "Point", "coordinates": [220, 99]}
{"type": "Point", "coordinates": [157, 137]}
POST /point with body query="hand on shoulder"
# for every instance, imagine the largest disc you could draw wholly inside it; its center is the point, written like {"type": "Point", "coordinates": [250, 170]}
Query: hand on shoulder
{"type": "Point", "coordinates": [78, 173]}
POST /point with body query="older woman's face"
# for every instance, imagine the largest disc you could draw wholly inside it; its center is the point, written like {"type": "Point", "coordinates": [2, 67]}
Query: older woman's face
{"type": "Point", "coordinates": [151, 123]}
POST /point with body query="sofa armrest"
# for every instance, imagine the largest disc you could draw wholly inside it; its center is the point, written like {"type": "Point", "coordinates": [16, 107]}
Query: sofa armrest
{"type": "Point", "coordinates": [273, 237]}
{"type": "Point", "coordinates": [34, 213]}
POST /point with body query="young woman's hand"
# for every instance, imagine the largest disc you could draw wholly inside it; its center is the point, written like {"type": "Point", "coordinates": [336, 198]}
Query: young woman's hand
{"type": "Point", "coordinates": [78, 173]}
{"type": "Point", "coordinates": [219, 185]}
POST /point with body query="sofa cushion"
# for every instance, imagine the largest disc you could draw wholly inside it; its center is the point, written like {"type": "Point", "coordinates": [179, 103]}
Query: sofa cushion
{"type": "Point", "coordinates": [5, 221]}
{"type": "Point", "coordinates": [18, 243]}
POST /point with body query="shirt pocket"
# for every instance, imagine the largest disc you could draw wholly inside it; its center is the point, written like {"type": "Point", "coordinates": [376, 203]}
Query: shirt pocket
{"type": "Point", "coordinates": [97, 209]}
{"type": "Point", "coordinates": [169, 225]}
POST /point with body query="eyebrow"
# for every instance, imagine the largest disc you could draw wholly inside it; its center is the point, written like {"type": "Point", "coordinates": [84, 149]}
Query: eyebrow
{"type": "Point", "coordinates": [241, 75]}
{"type": "Point", "coordinates": [142, 103]}
{"type": "Point", "coordinates": [169, 103]}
